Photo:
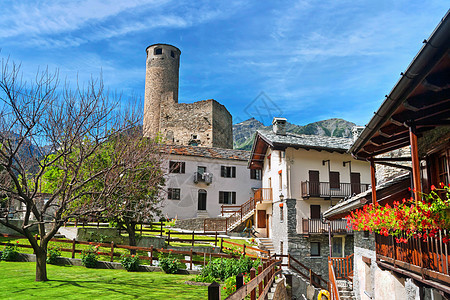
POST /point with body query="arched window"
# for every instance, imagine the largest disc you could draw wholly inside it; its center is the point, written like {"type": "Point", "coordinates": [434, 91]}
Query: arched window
{"type": "Point", "coordinates": [158, 51]}
{"type": "Point", "coordinates": [202, 199]}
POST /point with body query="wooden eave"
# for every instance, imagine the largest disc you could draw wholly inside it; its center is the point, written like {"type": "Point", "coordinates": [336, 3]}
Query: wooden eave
{"type": "Point", "coordinates": [259, 150]}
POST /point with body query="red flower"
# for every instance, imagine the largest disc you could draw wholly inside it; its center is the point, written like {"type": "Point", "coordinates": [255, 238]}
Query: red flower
{"type": "Point", "coordinates": [132, 255]}
{"type": "Point", "coordinates": [17, 242]}
{"type": "Point", "coordinates": [433, 187]}
{"type": "Point", "coordinates": [224, 287]}
{"type": "Point", "coordinates": [442, 184]}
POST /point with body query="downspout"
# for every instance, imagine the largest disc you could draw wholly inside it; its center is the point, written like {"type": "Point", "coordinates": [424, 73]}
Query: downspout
{"type": "Point", "coordinates": [288, 175]}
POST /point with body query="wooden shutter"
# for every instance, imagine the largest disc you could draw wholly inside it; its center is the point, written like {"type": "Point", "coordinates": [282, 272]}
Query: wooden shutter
{"type": "Point", "coordinates": [355, 181]}
{"type": "Point", "coordinates": [233, 170]}
{"type": "Point", "coordinates": [334, 180]}
{"type": "Point", "coordinates": [220, 197]}
{"type": "Point", "coordinates": [315, 211]}
{"type": "Point", "coordinates": [223, 171]}
{"type": "Point", "coordinates": [314, 188]}
{"type": "Point", "coordinates": [233, 195]}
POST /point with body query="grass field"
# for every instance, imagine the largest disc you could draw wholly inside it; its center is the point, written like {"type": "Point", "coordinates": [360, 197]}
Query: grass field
{"type": "Point", "coordinates": [71, 282]}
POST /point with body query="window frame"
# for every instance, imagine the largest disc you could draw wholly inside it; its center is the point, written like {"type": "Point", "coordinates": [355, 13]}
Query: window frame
{"type": "Point", "coordinates": [228, 171]}
{"type": "Point", "coordinates": [173, 191]}
{"type": "Point", "coordinates": [255, 174]}
{"type": "Point", "coordinates": [177, 167]}
{"type": "Point", "coordinates": [229, 194]}
{"type": "Point", "coordinates": [311, 249]}
{"type": "Point", "coordinates": [335, 184]}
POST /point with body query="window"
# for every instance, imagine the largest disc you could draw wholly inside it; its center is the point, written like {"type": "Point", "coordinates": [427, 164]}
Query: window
{"type": "Point", "coordinates": [201, 170]}
{"type": "Point", "coordinates": [158, 51]}
{"type": "Point", "coordinates": [177, 167]}
{"type": "Point", "coordinates": [255, 174]}
{"type": "Point", "coordinates": [315, 248]}
{"type": "Point", "coordinates": [172, 54]}
{"type": "Point", "coordinates": [281, 212]}
{"type": "Point", "coordinates": [227, 197]}
{"type": "Point", "coordinates": [334, 180]}
{"type": "Point", "coordinates": [173, 194]}
{"type": "Point", "coordinates": [338, 245]}
{"type": "Point", "coordinates": [442, 170]}
{"type": "Point", "coordinates": [280, 180]}
{"type": "Point", "coordinates": [229, 172]}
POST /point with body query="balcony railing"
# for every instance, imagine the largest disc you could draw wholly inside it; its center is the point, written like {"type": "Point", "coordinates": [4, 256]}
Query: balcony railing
{"type": "Point", "coordinates": [203, 177]}
{"type": "Point", "coordinates": [263, 194]}
{"type": "Point", "coordinates": [427, 258]}
{"type": "Point", "coordinates": [324, 190]}
{"type": "Point", "coordinates": [314, 226]}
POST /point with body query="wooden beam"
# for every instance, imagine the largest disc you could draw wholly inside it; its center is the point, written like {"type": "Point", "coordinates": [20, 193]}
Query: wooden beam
{"type": "Point", "coordinates": [394, 165]}
{"type": "Point", "coordinates": [439, 110]}
{"type": "Point", "coordinates": [392, 159]}
{"type": "Point", "coordinates": [415, 162]}
{"type": "Point", "coordinates": [427, 99]}
{"type": "Point", "coordinates": [373, 181]}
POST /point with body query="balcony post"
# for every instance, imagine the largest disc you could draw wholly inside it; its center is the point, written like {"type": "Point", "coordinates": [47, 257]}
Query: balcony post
{"type": "Point", "coordinates": [415, 161]}
{"type": "Point", "coordinates": [373, 181]}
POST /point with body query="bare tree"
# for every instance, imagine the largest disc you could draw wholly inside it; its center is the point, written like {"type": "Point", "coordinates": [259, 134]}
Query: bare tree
{"type": "Point", "coordinates": [47, 129]}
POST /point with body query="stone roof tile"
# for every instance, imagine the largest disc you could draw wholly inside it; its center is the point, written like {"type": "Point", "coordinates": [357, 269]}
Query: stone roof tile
{"type": "Point", "coordinates": [216, 153]}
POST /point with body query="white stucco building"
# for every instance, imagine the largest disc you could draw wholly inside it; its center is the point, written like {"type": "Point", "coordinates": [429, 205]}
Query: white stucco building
{"type": "Point", "coordinates": [201, 179]}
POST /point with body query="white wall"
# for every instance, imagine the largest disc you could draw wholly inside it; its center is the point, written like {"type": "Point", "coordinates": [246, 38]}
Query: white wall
{"type": "Point", "coordinates": [187, 206]}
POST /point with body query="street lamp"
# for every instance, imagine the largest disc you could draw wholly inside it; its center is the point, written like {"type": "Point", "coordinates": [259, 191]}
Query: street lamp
{"type": "Point", "coordinates": [281, 197]}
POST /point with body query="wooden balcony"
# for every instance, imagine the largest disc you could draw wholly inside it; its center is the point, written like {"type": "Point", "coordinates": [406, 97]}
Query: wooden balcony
{"type": "Point", "coordinates": [263, 194]}
{"type": "Point", "coordinates": [426, 260]}
{"type": "Point", "coordinates": [315, 226]}
{"type": "Point", "coordinates": [324, 190]}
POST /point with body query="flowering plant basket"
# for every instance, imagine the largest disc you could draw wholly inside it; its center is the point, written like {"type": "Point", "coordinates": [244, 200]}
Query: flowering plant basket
{"type": "Point", "coordinates": [406, 218]}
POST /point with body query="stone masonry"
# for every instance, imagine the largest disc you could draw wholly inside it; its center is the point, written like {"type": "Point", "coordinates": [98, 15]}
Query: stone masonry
{"type": "Point", "coordinates": [204, 123]}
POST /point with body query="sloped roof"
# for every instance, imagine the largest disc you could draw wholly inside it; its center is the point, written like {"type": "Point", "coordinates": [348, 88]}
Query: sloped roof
{"type": "Point", "coordinates": [207, 152]}
{"type": "Point", "coordinates": [306, 141]}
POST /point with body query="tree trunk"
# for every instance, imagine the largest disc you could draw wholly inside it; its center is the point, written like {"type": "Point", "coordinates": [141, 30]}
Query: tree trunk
{"type": "Point", "coordinates": [41, 265]}
{"type": "Point", "coordinates": [131, 229]}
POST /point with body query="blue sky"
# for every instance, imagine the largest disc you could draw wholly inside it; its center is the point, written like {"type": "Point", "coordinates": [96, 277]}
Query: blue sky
{"type": "Point", "coordinates": [307, 60]}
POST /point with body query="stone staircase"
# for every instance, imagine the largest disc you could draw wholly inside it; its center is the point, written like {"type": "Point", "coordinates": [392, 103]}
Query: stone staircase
{"type": "Point", "coordinates": [345, 289]}
{"type": "Point", "coordinates": [266, 244]}
{"type": "Point", "coordinates": [274, 287]}
{"type": "Point", "coordinates": [202, 214]}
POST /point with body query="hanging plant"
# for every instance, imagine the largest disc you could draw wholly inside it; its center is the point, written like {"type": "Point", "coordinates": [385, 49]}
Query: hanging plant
{"type": "Point", "coordinates": [406, 218]}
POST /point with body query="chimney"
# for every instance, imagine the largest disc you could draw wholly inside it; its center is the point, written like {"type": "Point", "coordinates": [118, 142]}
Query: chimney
{"type": "Point", "coordinates": [356, 132]}
{"type": "Point", "coordinates": [279, 126]}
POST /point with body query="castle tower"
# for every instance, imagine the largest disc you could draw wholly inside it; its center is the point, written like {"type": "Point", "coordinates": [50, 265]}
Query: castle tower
{"type": "Point", "coordinates": [161, 84]}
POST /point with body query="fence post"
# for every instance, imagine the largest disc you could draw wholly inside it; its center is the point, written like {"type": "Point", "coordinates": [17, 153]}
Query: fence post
{"type": "Point", "coordinates": [215, 240]}
{"type": "Point", "coordinates": [193, 236]}
{"type": "Point", "coordinates": [112, 251]}
{"type": "Point", "coordinates": [253, 275]}
{"type": "Point", "coordinates": [226, 226]}
{"type": "Point", "coordinates": [265, 277]}
{"type": "Point", "coordinates": [239, 281]}
{"type": "Point", "coordinates": [76, 222]}
{"type": "Point", "coordinates": [151, 256]}
{"type": "Point", "coordinates": [244, 248]}
{"type": "Point", "coordinates": [168, 238]}
{"type": "Point", "coordinates": [192, 258]}
{"type": "Point", "coordinates": [162, 229]}
{"type": "Point", "coordinates": [310, 277]}
{"type": "Point", "coordinates": [260, 286]}
{"type": "Point", "coordinates": [98, 223]}
{"type": "Point", "coordinates": [73, 248]}
{"type": "Point", "coordinates": [221, 244]}
{"type": "Point", "coordinates": [214, 291]}
{"type": "Point", "coordinates": [141, 229]}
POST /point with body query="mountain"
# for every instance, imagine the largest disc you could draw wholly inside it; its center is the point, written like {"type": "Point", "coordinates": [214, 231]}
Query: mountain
{"type": "Point", "coordinates": [243, 132]}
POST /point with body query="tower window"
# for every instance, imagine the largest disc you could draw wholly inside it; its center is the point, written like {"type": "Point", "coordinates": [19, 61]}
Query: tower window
{"type": "Point", "coordinates": [172, 54]}
{"type": "Point", "coordinates": [158, 51]}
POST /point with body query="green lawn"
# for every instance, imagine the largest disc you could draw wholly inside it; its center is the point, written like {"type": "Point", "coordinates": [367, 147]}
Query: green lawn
{"type": "Point", "coordinates": [72, 282]}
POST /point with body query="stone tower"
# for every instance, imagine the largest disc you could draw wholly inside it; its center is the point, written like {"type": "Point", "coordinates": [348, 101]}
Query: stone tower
{"type": "Point", "coordinates": [204, 123]}
{"type": "Point", "coordinates": [161, 84]}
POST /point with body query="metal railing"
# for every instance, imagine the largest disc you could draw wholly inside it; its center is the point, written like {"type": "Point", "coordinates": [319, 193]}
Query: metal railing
{"type": "Point", "coordinates": [203, 177]}
{"type": "Point", "coordinates": [326, 190]}
{"type": "Point", "coordinates": [317, 226]}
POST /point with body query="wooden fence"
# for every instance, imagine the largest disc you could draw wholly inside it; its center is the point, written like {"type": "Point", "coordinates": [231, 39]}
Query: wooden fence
{"type": "Point", "coordinates": [257, 286]}
{"type": "Point", "coordinates": [151, 250]}
{"type": "Point", "coordinates": [429, 257]}
{"type": "Point", "coordinates": [343, 267]}
{"type": "Point", "coordinates": [245, 249]}
{"type": "Point", "coordinates": [141, 227]}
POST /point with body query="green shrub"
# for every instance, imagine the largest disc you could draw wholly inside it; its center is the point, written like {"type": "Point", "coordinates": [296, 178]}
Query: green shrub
{"type": "Point", "coordinates": [89, 257]}
{"type": "Point", "coordinates": [230, 285]}
{"type": "Point", "coordinates": [52, 254]}
{"type": "Point", "coordinates": [130, 262]}
{"type": "Point", "coordinates": [222, 268]}
{"type": "Point", "coordinates": [169, 264]}
{"type": "Point", "coordinates": [10, 253]}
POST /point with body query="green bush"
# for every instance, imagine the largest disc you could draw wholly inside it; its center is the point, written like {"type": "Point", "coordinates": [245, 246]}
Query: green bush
{"type": "Point", "coordinates": [230, 285]}
{"type": "Point", "coordinates": [222, 268]}
{"type": "Point", "coordinates": [10, 253]}
{"type": "Point", "coordinates": [89, 257]}
{"type": "Point", "coordinates": [169, 264]}
{"type": "Point", "coordinates": [130, 262]}
{"type": "Point", "coordinates": [52, 254]}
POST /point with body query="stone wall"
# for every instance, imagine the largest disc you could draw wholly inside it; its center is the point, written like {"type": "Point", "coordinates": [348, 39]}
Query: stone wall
{"type": "Point", "coordinates": [195, 224]}
{"type": "Point", "coordinates": [386, 173]}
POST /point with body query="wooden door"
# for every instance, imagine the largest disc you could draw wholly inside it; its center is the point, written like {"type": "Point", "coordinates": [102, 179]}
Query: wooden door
{"type": "Point", "coordinates": [314, 185]}
{"type": "Point", "coordinates": [355, 181]}
{"type": "Point", "coordinates": [262, 219]}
